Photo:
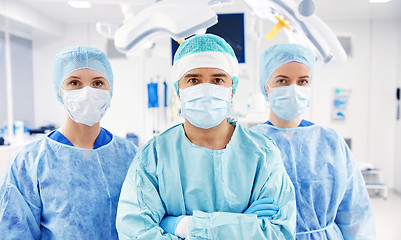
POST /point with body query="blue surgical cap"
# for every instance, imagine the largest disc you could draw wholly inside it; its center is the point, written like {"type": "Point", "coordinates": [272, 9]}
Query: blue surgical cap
{"type": "Point", "coordinates": [75, 58]}
{"type": "Point", "coordinates": [280, 54]}
{"type": "Point", "coordinates": [205, 51]}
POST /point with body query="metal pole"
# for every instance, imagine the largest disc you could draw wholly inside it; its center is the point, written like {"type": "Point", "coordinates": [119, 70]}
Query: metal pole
{"type": "Point", "coordinates": [10, 105]}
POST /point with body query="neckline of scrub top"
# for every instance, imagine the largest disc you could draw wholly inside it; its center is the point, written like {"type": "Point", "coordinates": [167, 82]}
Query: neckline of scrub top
{"type": "Point", "coordinates": [304, 123]}
{"type": "Point", "coordinates": [234, 123]}
{"type": "Point", "coordinates": [102, 139]}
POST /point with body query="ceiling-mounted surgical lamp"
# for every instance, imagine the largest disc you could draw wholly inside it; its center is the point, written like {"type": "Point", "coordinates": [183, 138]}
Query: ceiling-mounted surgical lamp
{"type": "Point", "coordinates": [302, 26]}
{"type": "Point", "coordinates": [174, 18]}
{"type": "Point", "coordinates": [306, 8]}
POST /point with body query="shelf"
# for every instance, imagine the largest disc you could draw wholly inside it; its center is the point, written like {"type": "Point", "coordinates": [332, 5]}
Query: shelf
{"type": "Point", "coordinates": [372, 171]}
{"type": "Point", "coordinates": [373, 186]}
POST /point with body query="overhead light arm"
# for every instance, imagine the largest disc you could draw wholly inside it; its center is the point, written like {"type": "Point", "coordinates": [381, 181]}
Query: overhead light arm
{"type": "Point", "coordinates": [175, 18]}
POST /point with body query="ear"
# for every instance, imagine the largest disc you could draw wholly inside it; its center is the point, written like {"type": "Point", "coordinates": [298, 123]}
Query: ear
{"type": "Point", "coordinates": [61, 92]}
{"type": "Point", "coordinates": [267, 90]}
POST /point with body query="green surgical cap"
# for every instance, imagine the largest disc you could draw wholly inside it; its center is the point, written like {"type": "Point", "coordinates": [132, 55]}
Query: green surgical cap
{"type": "Point", "coordinates": [205, 51]}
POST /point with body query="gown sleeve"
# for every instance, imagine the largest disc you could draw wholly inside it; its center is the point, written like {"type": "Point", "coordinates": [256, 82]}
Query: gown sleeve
{"type": "Point", "coordinates": [140, 208]}
{"type": "Point", "coordinates": [272, 182]}
{"type": "Point", "coordinates": [355, 214]}
{"type": "Point", "coordinates": [20, 205]}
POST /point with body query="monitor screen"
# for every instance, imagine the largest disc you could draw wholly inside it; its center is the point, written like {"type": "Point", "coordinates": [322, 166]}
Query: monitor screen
{"type": "Point", "coordinates": [231, 28]}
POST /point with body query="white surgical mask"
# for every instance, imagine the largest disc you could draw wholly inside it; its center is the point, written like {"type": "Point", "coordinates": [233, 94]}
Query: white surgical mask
{"type": "Point", "coordinates": [86, 105]}
{"type": "Point", "coordinates": [206, 105]}
{"type": "Point", "coordinates": [289, 102]}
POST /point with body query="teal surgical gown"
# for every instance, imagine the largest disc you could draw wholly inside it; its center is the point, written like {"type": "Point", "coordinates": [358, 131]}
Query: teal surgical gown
{"type": "Point", "coordinates": [171, 176]}
{"type": "Point", "coordinates": [332, 200]}
{"type": "Point", "coordinates": [51, 190]}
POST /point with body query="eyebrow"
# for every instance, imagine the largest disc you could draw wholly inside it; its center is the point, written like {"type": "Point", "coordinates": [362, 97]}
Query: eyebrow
{"type": "Point", "coordinates": [72, 77]}
{"type": "Point", "coordinates": [280, 76]}
{"type": "Point", "coordinates": [219, 75]}
{"type": "Point", "coordinates": [189, 75]}
{"type": "Point", "coordinates": [99, 78]}
{"type": "Point", "coordinates": [283, 76]}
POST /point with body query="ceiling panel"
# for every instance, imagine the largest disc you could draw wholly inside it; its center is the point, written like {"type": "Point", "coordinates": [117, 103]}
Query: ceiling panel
{"type": "Point", "coordinates": [357, 9]}
{"type": "Point", "coordinates": [110, 11]}
{"type": "Point", "coordinates": [60, 10]}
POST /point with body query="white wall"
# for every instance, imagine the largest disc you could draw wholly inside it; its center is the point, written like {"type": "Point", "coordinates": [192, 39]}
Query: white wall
{"type": "Point", "coordinates": [353, 75]}
{"type": "Point", "coordinates": [397, 130]}
{"type": "Point", "coordinates": [371, 74]}
{"type": "Point", "coordinates": [383, 84]}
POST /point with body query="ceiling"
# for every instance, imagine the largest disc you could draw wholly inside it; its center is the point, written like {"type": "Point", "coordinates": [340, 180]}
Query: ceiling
{"type": "Point", "coordinates": [357, 9]}
{"type": "Point", "coordinates": [109, 11]}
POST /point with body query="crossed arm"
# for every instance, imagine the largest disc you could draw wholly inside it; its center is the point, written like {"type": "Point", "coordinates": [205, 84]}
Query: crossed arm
{"type": "Point", "coordinates": [141, 211]}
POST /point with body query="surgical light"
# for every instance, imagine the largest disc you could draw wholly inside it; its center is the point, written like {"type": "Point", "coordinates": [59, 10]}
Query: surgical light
{"type": "Point", "coordinates": [79, 4]}
{"type": "Point", "coordinates": [280, 24]}
{"type": "Point", "coordinates": [174, 18]}
{"type": "Point", "coordinates": [302, 26]}
{"type": "Point", "coordinates": [306, 8]}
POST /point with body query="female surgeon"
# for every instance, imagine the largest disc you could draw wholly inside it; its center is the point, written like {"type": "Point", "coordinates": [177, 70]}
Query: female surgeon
{"type": "Point", "coordinates": [332, 201]}
{"type": "Point", "coordinates": [67, 184]}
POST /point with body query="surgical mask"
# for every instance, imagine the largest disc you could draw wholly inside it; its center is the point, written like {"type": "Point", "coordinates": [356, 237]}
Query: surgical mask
{"type": "Point", "coordinates": [86, 105]}
{"type": "Point", "coordinates": [289, 102]}
{"type": "Point", "coordinates": [206, 105]}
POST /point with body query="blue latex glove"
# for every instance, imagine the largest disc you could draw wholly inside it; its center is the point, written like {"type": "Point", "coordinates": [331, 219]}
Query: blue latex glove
{"type": "Point", "coordinates": [263, 207]}
{"type": "Point", "coordinates": [169, 223]}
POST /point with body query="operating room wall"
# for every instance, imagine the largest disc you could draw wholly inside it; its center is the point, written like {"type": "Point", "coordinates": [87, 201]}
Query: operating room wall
{"type": "Point", "coordinates": [397, 132]}
{"type": "Point", "coordinates": [383, 79]}
{"type": "Point", "coordinates": [353, 74]}
{"type": "Point", "coordinates": [371, 73]}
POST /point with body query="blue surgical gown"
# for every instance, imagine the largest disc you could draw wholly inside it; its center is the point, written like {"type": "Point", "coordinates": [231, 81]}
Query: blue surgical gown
{"type": "Point", "coordinates": [172, 176]}
{"type": "Point", "coordinates": [54, 191]}
{"type": "Point", "coordinates": [332, 200]}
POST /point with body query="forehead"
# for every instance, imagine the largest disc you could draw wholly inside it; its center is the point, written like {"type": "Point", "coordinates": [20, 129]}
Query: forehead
{"type": "Point", "coordinates": [292, 68]}
{"type": "Point", "coordinates": [206, 72]}
{"type": "Point", "coordinates": [86, 73]}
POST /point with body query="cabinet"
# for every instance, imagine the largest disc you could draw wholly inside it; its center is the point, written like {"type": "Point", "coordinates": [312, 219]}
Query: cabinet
{"type": "Point", "coordinates": [8, 151]}
{"type": "Point", "coordinates": [374, 182]}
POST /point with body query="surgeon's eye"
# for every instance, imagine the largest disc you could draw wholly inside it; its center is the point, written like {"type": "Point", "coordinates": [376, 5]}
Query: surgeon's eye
{"type": "Point", "coordinates": [74, 83]}
{"type": "Point", "coordinates": [98, 83]}
{"type": "Point", "coordinates": [193, 80]}
{"type": "Point", "coordinates": [218, 80]}
{"type": "Point", "coordinates": [303, 82]}
{"type": "Point", "coordinates": [281, 81]}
